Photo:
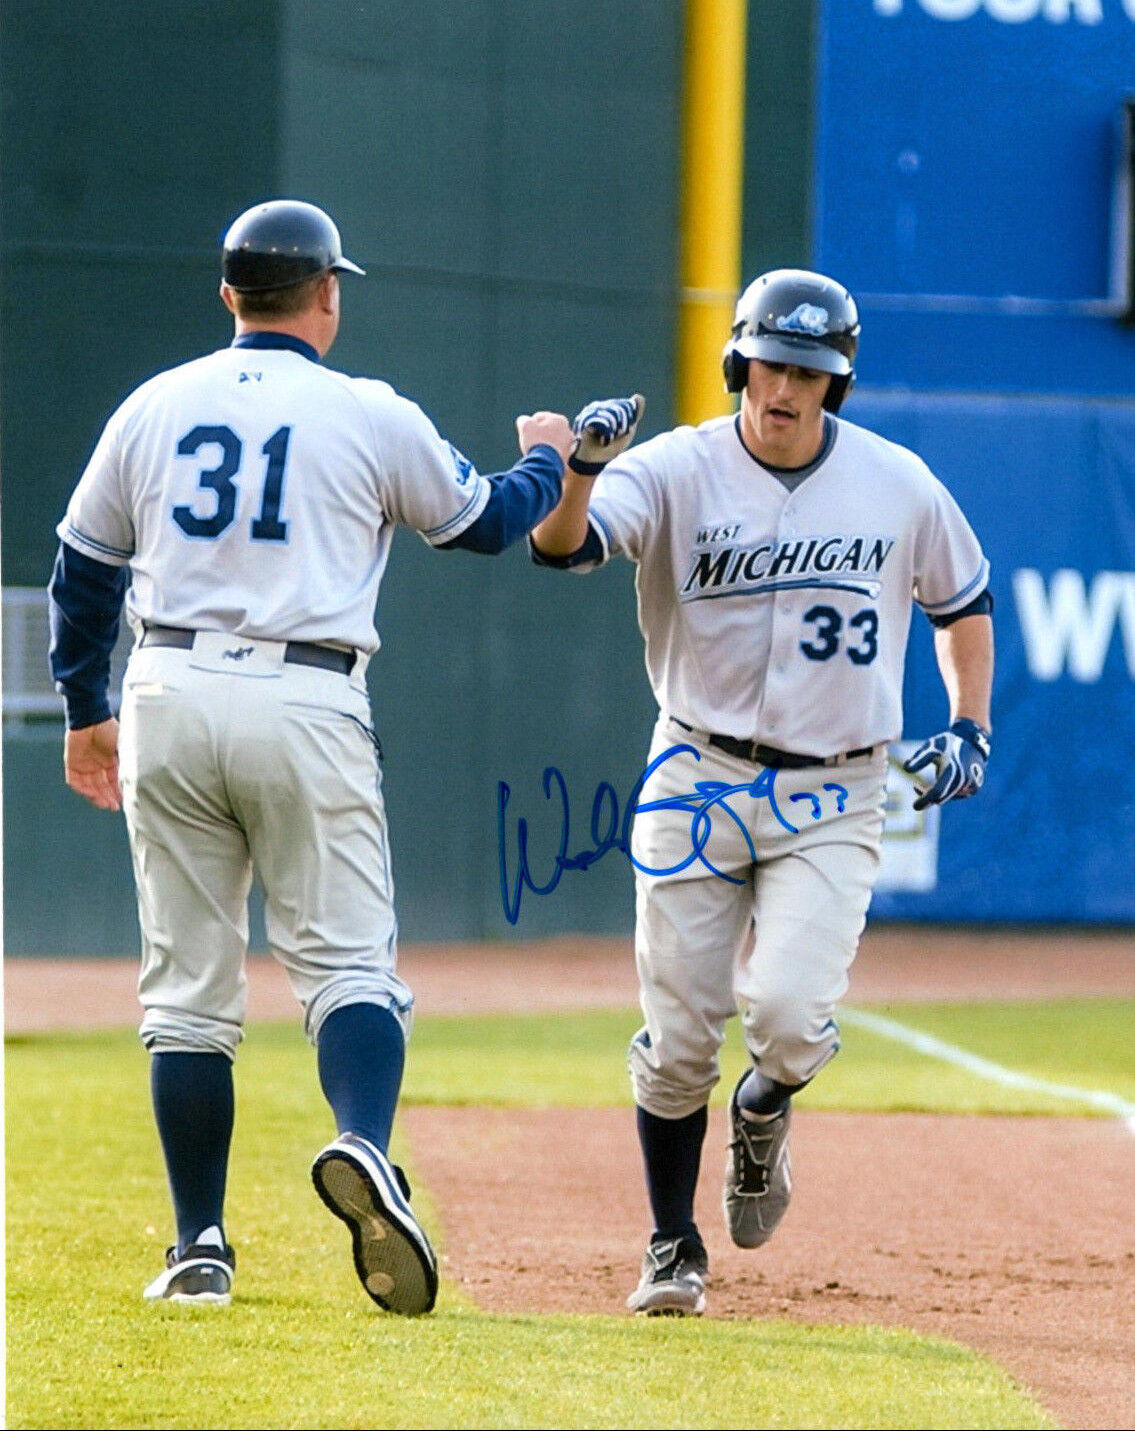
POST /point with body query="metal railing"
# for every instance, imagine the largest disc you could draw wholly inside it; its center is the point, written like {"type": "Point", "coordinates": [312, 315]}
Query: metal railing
{"type": "Point", "coordinates": [28, 692]}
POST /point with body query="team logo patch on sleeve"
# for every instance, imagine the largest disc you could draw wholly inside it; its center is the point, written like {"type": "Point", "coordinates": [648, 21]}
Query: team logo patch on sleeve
{"type": "Point", "coordinates": [465, 468]}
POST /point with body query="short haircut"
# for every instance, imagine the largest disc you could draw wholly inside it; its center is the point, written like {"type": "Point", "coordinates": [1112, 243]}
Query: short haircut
{"type": "Point", "coordinates": [278, 302]}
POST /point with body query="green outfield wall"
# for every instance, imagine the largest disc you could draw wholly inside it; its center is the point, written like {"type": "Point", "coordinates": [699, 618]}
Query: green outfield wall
{"type": "Point", "coordinates": [506, 171]}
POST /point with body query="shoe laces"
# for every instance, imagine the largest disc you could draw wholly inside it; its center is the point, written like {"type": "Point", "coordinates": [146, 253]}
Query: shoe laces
{"type": "Point", "coordinates": [753, 1146]}
{"type": "Point", "coordinates": [677, 1256]}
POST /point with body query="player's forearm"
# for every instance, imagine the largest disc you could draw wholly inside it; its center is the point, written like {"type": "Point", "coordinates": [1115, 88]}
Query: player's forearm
{"type": "Point", "coordinates": [965, 658]}
{"type": "Point", "coordinates": [518, 499]}
{"type": "Point", "coordinates": [564, 530]}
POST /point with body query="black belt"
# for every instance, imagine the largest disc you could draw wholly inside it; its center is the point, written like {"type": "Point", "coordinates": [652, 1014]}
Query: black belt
{"type": "Point", "coordinates": [768, 755]}
{"type": "Point", "coordinates": [296, 653]}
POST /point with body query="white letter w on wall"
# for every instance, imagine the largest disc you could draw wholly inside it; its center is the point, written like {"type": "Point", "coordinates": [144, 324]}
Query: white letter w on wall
{"type": "Point", "coordinates": [1068, 625]}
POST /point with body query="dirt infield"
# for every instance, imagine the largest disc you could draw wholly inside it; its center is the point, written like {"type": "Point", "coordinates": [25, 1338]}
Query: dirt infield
{"type": "Point", "coordinates": [1011, 1235]}
{"type": "Point", "coordinates": [894, 963]}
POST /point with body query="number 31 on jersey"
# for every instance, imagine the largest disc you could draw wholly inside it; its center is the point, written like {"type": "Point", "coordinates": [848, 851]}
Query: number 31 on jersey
{"type": "Point", "coordinates": [220, 480]}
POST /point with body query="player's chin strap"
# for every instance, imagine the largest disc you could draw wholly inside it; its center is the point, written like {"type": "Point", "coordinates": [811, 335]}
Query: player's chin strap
{"type": "Point", "coordinates": [603, 429]}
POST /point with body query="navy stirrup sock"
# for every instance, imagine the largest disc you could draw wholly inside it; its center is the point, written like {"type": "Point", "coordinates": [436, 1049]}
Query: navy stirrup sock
{"type": "Point", "coordinates": [361, 1053]}
{"type": "Point", "coordinates": [763, 1096]}
{"type": "Point", "coordinates": [194, 1108]}
{"type": "Point", "coordinates": [671, 1152]}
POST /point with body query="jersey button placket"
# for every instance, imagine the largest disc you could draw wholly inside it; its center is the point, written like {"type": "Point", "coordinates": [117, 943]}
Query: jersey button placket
{"type": "Point", "coordinates": [780, 647]}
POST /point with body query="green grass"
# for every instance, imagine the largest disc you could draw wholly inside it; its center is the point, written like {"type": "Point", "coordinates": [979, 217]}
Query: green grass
{"type": "Point", "coordinates": [578, 1059]}
{"type": "Point", "coordinates": [88, 1220]}
{"type": "Point", "coordinates": [1078, 1043]}
{"type": "Point", "coordinates": [305, 1363]}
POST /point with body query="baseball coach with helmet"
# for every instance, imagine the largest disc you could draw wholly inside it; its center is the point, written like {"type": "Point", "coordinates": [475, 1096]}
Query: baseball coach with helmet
{"type": "Point", "coordinates": [780, 552]}
{"type": "Point", "coordinates": [251, 495]}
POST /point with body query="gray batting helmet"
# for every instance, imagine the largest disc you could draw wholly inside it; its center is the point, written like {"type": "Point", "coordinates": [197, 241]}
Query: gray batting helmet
{"type": "Point", "coordinates": [793, 316]}
{"type": "Point", "coordinates": [280, 243]}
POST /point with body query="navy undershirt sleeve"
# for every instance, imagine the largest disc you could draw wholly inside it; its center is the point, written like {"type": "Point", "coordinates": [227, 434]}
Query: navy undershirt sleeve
{"type": "Point", "coordinates": [84, 607]}
{"type": "Point", "coordinates": [590, 552]}
{"type": "Point", "coordinates": [980, 606]}
{"type": "Point", "coordinates": [520, 498]}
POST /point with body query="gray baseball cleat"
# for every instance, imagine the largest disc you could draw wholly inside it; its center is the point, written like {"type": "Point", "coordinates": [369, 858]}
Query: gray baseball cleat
{"type": "Point", "coordinates": [674, 1270]}
{"type": "Point", "coordinates": [758, 1174]}
{"type": "Point", "coordinates": [202, 1274]}
{"type": "Point", "coordinates": [393, 1256]}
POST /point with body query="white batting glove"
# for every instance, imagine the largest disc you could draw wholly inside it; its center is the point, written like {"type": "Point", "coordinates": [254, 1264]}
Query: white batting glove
{"type": "Point", "coordinates": [958, 756]}
{"type": "Point", "coordinates": [604, 429]}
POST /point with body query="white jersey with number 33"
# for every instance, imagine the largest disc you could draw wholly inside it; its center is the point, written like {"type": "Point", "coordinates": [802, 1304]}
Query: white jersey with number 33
{"type": "Point", "coordinates": [783, 616]}
{"type": "Point", "coordinates": [286, 476]}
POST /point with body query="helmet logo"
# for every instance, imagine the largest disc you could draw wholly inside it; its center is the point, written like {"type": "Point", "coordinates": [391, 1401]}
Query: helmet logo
{"type": "Point", "coordinates": [805, 318]}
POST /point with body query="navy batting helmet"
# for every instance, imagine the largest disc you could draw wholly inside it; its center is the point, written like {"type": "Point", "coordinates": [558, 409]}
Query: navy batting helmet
{"type": "Point", "coordinates": [793, 316]}
{"type": "Point", "coordinates": [280, 243]}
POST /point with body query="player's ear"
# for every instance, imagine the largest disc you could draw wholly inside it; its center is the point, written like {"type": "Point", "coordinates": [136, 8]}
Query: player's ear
{"type": "Point", "coordinates": [228, 298]}
{"type": "Point", "coordinates": [327, 293]}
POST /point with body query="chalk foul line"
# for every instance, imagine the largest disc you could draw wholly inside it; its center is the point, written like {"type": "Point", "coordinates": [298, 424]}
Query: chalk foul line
{"type": "Point", "coordinates": [1105, 1101]}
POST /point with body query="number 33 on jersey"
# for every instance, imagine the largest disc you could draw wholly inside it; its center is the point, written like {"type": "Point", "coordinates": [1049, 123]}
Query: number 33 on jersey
{"type": "Point", "coordinates": [779, 611]}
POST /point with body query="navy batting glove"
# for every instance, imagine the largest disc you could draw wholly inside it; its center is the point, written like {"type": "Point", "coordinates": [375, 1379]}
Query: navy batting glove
{"type": "Point", "coordinates": [604, 429]}
{"type": "Point", "coordinates": [958, 756]}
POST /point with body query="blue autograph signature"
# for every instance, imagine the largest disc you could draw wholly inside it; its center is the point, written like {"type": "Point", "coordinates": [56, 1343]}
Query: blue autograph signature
{"type": "Point", "coordinates": [608, 832]}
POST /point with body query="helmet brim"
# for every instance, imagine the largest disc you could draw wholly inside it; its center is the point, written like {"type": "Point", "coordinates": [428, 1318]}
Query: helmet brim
{"type": "Point", "coordinates": [236, 265]}
{"type": "Point", "coordinates": [800, 352]}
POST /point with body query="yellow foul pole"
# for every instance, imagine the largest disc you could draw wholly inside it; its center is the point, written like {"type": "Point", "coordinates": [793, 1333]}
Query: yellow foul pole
{"type": "Point", "coordinates": [713, 143]}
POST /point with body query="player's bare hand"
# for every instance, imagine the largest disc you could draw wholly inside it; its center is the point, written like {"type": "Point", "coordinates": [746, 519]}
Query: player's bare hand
{"type": "Point", "coordinates": [551, 428]}
{"type": "Point", "coordinates": [90, 764]}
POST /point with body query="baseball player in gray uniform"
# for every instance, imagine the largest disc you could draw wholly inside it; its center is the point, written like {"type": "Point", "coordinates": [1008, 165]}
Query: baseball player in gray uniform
{"type": "Point", "coordinates": [251, 496]}
{"type": "Point", "coordinates": [779, 554]}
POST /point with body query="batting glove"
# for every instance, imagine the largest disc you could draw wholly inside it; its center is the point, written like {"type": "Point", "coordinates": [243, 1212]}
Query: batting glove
{"type": "Point", "coordinates": [603, 430]}
{"type": "Point", "coordinates": [958, 756]}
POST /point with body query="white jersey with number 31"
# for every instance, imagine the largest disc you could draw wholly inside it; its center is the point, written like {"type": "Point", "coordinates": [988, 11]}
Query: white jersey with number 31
{"type": "Point", "coordinates": [783, 616]}
{"type": "Point", "coordinates": [255, 492]}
